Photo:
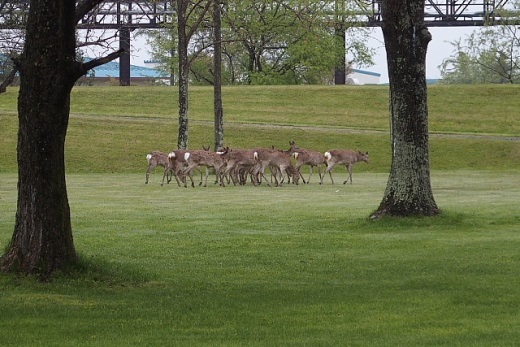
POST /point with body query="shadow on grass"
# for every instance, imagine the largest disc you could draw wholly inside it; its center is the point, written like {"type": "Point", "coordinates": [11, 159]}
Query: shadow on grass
{"type": "Point", "coordinates": [103, 272]}
{"type": "Point", "coordinates": [91, 271]}
{"type": "Point", "coordinates": [444, 221]}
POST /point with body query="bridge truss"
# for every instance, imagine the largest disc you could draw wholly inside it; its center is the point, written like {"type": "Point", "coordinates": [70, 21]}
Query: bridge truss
{"type": "Point", "coordinates": [127, 15]}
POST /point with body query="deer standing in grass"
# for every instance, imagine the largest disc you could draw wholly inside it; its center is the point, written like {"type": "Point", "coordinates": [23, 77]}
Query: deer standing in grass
{"type": "Point", "coordinates": [157, 158]}
{"type": "Point", "coordinates": [309, 157]}
{"type": "Point", "coordinates": [206, 158]}
{"type": "Point", "coordinates": [177, 165]}
{"type": "Point", "coordinates": [347, 157]}
{"type": "Point", "coordinates": [237, 161]}
{"type": "Point", "coordinates": [278, 161]}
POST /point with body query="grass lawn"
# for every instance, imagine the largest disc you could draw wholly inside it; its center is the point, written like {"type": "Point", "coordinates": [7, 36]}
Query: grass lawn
{"type": "Point", "coordinates": [275, 266]}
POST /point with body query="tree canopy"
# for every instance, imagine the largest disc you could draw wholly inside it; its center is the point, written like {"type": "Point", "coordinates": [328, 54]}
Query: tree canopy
{"type": "Point", "coordinates": [490, 54]}
{"type": "Point", "coordinates": [272, 42]}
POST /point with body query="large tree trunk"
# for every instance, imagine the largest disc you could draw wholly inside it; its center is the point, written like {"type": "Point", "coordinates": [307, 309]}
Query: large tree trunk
{"type": "Point", "coordinates": [42, 240]}
{"type": "Point", "coordinates": [408, 191]}
{"type": "Point", "coordinates": [217, 71]}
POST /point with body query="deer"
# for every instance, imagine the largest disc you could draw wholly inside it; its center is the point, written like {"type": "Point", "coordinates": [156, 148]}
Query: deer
{"type": "Point", "coordinates": [177, 165]}
{"type": "Point", "coordinates": [278, 160]}
{"type": "Point", "coordinates": [347, 157]}
{"type": "Point", "coordinates": [236, 160]}
{"type": "Point", "coordinates": [204, 158]}
{"type": "Point", "coordinates": [157, 158]}
{"type": "Point", "coordinates": [309, 157]}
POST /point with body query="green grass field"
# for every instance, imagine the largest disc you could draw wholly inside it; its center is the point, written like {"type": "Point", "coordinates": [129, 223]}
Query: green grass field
{"type": "Point", "coordinates": [276, 266]}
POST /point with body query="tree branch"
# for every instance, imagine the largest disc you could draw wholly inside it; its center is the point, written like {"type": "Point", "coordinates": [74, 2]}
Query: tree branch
{"type": "Point", "coordinates": [84, 7]}
{"type": "Point", "coordinates": [84, 67]}
{"type": "Point", "coordinates": [8, 80]}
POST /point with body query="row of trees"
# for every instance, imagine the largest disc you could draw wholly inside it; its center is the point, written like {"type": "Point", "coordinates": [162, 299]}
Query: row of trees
{"type": "Point", "coordinates": [265, 41]}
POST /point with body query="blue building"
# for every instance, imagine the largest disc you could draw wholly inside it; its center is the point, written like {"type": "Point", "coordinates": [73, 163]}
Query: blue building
{"type": "Point", "coordinates": [109, 74]}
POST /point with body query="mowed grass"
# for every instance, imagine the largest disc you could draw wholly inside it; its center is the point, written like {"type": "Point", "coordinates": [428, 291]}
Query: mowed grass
{"type": "Point", "coordinates": [269, 266]}
{"type": "Point", "coordinates": [275, 266]}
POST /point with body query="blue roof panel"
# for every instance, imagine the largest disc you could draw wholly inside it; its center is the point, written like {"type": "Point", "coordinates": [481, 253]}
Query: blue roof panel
{"type": "Point", "coordinates": [111, 69]}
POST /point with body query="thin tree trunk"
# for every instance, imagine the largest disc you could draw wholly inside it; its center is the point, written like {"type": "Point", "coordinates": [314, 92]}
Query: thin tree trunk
{"type": "Point", "coordinates": [408, 191]}
{"type": "Point", "coordinates": [339, 33]}
{"type": "Point", "coordinates": [217, 70]}
{"type": "Point", "coordinates": [182, 141]}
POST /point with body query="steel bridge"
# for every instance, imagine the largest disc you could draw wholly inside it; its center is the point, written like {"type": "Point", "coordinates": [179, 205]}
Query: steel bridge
{"type": "Point", "coordinates": [126, 15]}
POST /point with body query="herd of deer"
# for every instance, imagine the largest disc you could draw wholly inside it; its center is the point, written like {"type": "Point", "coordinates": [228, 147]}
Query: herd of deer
{"type": "Point", "coordinates": [237, 165]}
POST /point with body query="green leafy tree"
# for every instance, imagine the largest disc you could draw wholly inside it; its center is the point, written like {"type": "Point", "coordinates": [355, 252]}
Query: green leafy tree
{"type": "Point", "coordinates": [273, 42]}
{"type": "Point", "coordinates": [488, 55]}
{"type": "Point", "coordinates": [287, 41]}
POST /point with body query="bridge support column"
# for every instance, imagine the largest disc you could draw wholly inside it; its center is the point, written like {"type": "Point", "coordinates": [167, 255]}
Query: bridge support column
{"type": "Point", "coordinates": [124, 60]}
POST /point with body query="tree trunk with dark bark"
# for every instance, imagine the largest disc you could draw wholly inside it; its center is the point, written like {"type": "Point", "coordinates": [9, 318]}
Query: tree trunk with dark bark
{"type": "Point", "coordinates": [42, 240]}
{"type": "Point", "coordinates": [408, 191]}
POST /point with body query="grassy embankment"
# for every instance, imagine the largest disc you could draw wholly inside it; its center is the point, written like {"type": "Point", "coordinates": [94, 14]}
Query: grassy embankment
{"type": "Point", "coordinates": [276, 266]}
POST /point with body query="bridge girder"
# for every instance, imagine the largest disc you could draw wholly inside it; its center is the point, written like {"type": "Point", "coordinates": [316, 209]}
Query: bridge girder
{"type": "Point", "coordinates": [127, 15]}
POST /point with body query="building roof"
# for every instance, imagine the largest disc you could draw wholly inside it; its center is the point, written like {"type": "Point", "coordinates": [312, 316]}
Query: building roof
{"type": "Point", "coordinates": [364, 72]}
{"type": "Point", "coordinates": [111, 69]}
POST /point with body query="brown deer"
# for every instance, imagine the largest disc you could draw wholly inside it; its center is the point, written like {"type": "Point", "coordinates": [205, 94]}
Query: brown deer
{"type": "Point", "coordinates": [177, 165]}
{"type": "Point", "coordinates": [278, 161]}
{"type": "Point", "coordinates": [157, 158]}
{"type": "Point", "coordinates": [347, 157]}
{"type": "Point", "coordinates": [206, 158]}
{"type": "Point", "coordinates": [238, 162]}
{"type": "Point", "coordinates": [309, 157]}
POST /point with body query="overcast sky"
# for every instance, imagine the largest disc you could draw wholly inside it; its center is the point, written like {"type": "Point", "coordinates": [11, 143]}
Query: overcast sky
{"type": "Point", "coordinates": [438, 49]}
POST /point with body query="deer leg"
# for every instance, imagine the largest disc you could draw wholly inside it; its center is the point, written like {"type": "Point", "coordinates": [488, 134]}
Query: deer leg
{"type": "Point", "coordinates": [349, 169]}
{"type": "Point", "coordinates": [309, 179]}
{"type": "Point", "coordinates": [165, 175]}
{"type": "Point", "coordinates": [300, 173]}
{"type": "Point", "coordinates": [260, 171]}
{"type": "Point", "coordinates": [331, 179]}
{"type": "Point", "coordinates": [206, 179]}
{"type": "Point", "coordinates": [150, 169]}
{"type": "Point", "coordinates": [329, 170]}
{"type": "Point", "coordinates": [190, 175]}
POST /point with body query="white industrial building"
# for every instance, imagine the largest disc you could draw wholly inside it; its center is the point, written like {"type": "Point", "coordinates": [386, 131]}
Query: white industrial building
{"type": "Point", "coordinates": [361, 77]}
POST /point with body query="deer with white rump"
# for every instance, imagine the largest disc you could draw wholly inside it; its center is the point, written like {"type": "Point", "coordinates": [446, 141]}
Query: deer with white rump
{"type": "Point", "coordinates": [157, 158]}
{"type": "Point", "coordinates": [177, 164]}
{"type": "Point", "coordinates": [206, 158]}
{"type": "Point", "coordinates": [309, 157]}
{"type": "Point", "coordinates": [347, 157]}
{"type": "Point", "coordinates": [278, 161]}
{"type": "Point", "coordinates": [236, 161]}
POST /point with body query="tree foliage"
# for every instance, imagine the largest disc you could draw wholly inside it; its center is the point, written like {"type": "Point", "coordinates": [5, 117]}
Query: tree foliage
{"type": "Point", "coordinates": [490, 54]}
{"type": "Point", "coordinates": [273, 42]}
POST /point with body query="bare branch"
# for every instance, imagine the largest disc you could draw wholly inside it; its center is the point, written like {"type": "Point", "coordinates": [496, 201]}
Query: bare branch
{"type": "Point", "coordinates": [84, 67]}
{"type": "Point", "coordinates": [84, 7]}
{"type": "Point", "coordinates": [8, 80]}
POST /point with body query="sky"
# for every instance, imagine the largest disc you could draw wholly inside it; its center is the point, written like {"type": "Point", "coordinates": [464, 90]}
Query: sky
{"type": "Point", "coordinates": [438, 50]}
